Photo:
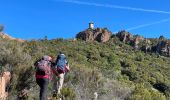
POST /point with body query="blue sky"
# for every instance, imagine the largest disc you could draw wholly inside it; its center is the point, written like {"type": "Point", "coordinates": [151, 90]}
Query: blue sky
{"type": "Point", "coordinates": [34, 19]}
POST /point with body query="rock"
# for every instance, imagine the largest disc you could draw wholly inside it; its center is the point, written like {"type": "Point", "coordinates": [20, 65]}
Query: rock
{"type": "Point", "coordinates": [136, 41]}
{"type": "Point", "coordinates": [163, 47]}
{"type": "Point", "coordinates": [95, 96]}
{"type": "Point", "coordinates": [146, 47]}
{"type": "Point", "coordinates": [98, 34]}
{"type": "Point", "coordinates": [128, 38]}
{"type": "Point", "coordinates": [4, 82]}
{"type": "Point", "coordinates": [124, 36]}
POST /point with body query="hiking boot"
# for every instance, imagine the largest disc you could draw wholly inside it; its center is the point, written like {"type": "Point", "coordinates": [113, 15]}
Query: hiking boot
{"type": "Point", "coordinates": [59, 97]}
{"type": "Point", "coordinates": [54, 93]}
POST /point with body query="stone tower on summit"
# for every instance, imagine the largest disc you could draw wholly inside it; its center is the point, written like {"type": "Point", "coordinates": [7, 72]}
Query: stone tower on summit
{"type": "Point", "coordinates": [91, 25]}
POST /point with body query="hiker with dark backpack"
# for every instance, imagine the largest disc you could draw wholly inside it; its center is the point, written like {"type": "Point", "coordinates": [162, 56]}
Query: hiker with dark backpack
{"type": "Point", "coordinates": [61, 68]}
{"type": "Point", "coordinates": [43, 69]}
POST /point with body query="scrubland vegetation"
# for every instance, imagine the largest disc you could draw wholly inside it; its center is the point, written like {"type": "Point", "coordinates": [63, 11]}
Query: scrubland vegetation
{"type": "Point", "coordinates": [112, 69]}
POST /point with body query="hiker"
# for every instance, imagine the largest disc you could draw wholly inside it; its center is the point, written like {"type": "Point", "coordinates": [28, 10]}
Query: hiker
{"type": "Point", "coordinates": [43, 74]}
{"type": "Point", "coordinates": [61, 68]}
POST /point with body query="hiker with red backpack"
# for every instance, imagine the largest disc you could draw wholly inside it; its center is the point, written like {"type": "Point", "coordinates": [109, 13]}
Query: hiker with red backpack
{"type": "Point", "coordinates": [43, 69]}
{"type": "Point", "coordinates": [61, 68]}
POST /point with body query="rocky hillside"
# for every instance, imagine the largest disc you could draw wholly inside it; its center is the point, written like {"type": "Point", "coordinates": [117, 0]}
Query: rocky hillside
{"type": "Point", "coordinates": [162, 45]}
{"type": "Point", "coordinates": [114, 68]}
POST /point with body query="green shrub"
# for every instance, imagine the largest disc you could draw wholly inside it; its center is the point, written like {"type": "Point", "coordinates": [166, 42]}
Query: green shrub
{"type": "Point", "coordinates": [94, 67]}
{"type": "Point", "coordinates": [142, 93]}
{"type": "Point", "coordinates": [68, 93]}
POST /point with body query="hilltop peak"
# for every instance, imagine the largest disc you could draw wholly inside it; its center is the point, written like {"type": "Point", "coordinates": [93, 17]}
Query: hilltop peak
{"type": "Point", "coordinates": [97, 34]}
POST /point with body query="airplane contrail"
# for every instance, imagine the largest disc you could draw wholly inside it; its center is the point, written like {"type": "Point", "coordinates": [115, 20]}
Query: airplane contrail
{"type": "Point", "coordinates": [149, 24]}
{"type": "Point", "coordinates": [114, 6]}
{"type": "Point", "coordinates": [122, 7]}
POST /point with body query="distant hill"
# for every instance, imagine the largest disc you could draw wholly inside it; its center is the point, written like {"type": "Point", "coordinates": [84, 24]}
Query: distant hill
{"type": "Point", "coordinates": [6, 36]}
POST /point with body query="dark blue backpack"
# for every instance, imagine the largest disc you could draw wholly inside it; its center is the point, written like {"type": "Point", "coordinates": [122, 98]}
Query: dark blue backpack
{"type": "Point", "coordinates": [61, 63]}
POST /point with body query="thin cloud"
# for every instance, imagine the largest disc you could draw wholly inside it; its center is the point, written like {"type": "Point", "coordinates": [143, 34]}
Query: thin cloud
{"type": "Point", "coordinates": [149, 24]}
{"type": "Point", "coordinates": [114, 6]}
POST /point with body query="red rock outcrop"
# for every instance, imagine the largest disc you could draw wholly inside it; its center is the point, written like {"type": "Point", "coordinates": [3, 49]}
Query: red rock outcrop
{"type": "Point", "coordinates": [98, 34]}
{"type": "Point", "coordinates": [124, 36]}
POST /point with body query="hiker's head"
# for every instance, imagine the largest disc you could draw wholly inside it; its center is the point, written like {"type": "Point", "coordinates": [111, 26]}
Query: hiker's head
{"type": "Point", "coordinates": [47, 58]}
{"type": "Point", "coordinates": [61, 52]}
{"type": "Point", "coordinates": [52, 57]}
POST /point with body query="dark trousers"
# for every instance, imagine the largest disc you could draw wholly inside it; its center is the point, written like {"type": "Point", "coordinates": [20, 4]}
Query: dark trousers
{"type": "Point", "coordinates": [43, 83]}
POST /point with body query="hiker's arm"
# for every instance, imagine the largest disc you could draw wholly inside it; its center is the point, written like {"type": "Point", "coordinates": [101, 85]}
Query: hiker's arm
{"type": "Point", "coordinates": [52, 68]}
{"type": "Point", "coordinates": [68, 67]}
{"type": "Point", "coordinates": [52, 64]}
{"type": "Point", "coordinates": [54, 72]}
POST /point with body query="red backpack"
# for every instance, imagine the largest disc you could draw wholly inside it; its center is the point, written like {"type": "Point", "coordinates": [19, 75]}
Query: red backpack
{"type": "Point", "coordinates": [43, 67]}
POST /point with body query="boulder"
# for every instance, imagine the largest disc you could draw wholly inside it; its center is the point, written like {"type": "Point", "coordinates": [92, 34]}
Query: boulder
{"type": "Point", "coordinates": [128, 38]}
{"type": "Point", "coordinates": [163, 47]}
{"type": "Point", "coordinates": [146, 46]}
{"type": "Point", "coordinates": [4, 82]}
{"type": "Point", "coordinates": [135, 42]}
{"type": "Point", "coordinates": [124, 36]}
{"type": "Point", "coordinates": [98, 34]}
